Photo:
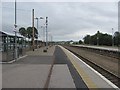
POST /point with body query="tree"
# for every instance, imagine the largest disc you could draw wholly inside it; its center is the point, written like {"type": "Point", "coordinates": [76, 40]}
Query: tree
{"type": "Point", "coordinates": [107, 39]}
{"type": "Point", "coordinates": [87, 39]}
{"type": "Point", "coordinates": [30, 32]}
{"type": "Point", "coordinates": [23, 31]}
{"type": "Point", "coordinates": [80, 42]}
{"type": "Point", "coordinates": [99, 38]}
{"type": "Point", "coordinates": [94, 40]}
{"type": "Point", "coordinates": [117, 38]}
{"type": "Point", "coordinates": [103, 39]}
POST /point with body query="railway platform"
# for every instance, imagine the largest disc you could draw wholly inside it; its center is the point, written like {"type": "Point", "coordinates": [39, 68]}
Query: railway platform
{"type": "Point", "coordinates": [28, 72]}
{"type": "Point", "coordinates": [56, 68]}
{"type": "Point", "coordinates": [91, 77]}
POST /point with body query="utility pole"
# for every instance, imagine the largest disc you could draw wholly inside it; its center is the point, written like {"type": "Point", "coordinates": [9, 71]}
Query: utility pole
{"type": "Point", "coordinates": [33, 43]}
{"type": "Point", "coordinates": [46, 33]}
{"type": "Point", "coordinates": [15, 30]}
{"type": "Point", "coordinates": [37, 29]}
{"type": "Point", "coordinates": [43, 33]}
{"type": "Point", "coordinates": [37, 26]}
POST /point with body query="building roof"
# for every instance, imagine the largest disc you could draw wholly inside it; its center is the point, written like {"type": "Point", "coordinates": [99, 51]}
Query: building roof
{"type": "Point", "coordinates": [3, 33]}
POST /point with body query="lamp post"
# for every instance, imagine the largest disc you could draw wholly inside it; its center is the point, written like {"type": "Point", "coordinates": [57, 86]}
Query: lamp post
{"type": "Point", "coordinates": [46, 33]}
{"type": "Point", "coordinates": [37, 29]}
{"type": "Point", "coordinates": [43, 33]}
{"type": "Point", "coordinates": [46, 24]}
{"type": "Point", "coordinates": [15, 30]}
{"type": "Point", "coordinates": [33, 29]}
{"type": "Point", "coordinates": [37, 26]}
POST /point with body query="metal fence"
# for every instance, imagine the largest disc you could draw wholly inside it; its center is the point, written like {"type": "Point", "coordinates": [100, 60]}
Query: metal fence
{"type": "Point", "coordinates": [8, 51]}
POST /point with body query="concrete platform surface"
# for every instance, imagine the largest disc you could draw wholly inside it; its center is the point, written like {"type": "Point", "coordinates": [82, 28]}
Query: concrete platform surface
{"type": "Point", "coordinates": [39, 51]}
{"type": "Point", "coordinates": [25, 76]}
{"type": "Point", "coordinates": [36, 60]}
{"type": "Point", "coordinates": [62, 59]}
{"type": "Point", "coordinates": [28, 72]}
{"type": "Point", "coordinates": [61, 77]}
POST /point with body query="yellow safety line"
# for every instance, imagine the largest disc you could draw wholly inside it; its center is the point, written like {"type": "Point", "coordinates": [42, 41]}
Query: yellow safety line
{"type": "Point", "coordinates": [81, 72]}
{"type": "Point", "coordinates": [84, 76]}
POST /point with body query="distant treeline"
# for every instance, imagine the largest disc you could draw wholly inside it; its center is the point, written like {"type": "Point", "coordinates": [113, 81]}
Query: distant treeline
{"type": "Point", "coordinates": [102, 39]}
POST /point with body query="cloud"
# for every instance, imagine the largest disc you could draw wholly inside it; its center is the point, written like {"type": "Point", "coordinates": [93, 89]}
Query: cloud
{"type": "Point", "coordinates": [68, 21]}
{"type": "Point", "coordinates": [61, 0]}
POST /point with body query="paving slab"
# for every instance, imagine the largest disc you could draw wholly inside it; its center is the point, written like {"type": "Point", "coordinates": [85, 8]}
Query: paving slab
{"type": "Point", "coordinates": [25, 76]}
{"type": "Point", "coordinates": [61, 77]}
{"type": "Point", "coordinates": [39, 51]}
{"type": "Point", "coordinates": [36, 60]}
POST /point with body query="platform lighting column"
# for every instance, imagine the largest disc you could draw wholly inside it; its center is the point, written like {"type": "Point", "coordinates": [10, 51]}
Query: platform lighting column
{"type": "Point", "coordinates": [46, 33]}
{"type": "Point", "coordinates": [37, 29]}
{"type": "Point", "coordinates": [37, 25]}
{"type": "Point", "coordinates": [15, 30]}
{"type": "Point", "coordinates": [43, 33]}
{"type": "Point", "coordinates": [33, 29]}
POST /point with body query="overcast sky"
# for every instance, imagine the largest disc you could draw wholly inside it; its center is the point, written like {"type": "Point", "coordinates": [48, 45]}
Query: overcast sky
{"type": "Point", "coordinates": [67, 21]}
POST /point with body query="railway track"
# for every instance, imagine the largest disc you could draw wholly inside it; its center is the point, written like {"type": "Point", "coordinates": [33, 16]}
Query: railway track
{"type": "Point", "coordinates": [106, 73]}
